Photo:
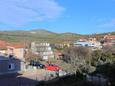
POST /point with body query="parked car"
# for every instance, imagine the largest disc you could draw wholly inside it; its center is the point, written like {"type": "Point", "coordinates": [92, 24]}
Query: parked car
{"type": "Point", "coordinates": [37, 64]}
{"type": "Point", "coordinates": [52, 67]}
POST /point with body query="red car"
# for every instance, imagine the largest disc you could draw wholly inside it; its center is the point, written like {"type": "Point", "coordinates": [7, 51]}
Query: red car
{"type": "Point", "coordinates": [52, 67]}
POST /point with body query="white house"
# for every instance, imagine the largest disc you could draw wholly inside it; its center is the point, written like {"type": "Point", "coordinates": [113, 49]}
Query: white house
{"type": "Point", "coordinates": [43, 49]}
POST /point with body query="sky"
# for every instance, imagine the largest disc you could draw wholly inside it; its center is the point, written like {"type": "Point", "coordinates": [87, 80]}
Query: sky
{"type": "Point", "coordinates": [76, 16]}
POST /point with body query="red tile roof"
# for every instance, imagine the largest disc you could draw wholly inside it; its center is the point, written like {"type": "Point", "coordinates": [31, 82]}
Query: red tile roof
{"type": "Point", "coordinates": [110, 36]}
{"type": "Point", "coordinates": [17, 46]}
{"type": "Point", "coordinates": [3, 43]}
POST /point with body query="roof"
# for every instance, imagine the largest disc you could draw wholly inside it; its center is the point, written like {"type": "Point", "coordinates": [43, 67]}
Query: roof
{"type": "Point", "coordinates": [82, 42]}
{"type": "Point", "coordinates": [3, 58]}
{"type": "Point", "coordinates": [110, 36]}
{"type": "Point", "coordinates": [3, 43]}
{"type": "Point", "coordinates": [17, 46]}
{"type": "Point", "coordinates": [57, 52]}
{"type": "Point", "coordinates": [7, 58]}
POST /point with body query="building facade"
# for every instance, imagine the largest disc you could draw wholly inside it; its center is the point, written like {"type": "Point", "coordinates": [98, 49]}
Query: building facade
{"type": "Point", "coordinates": [88, 43]}
{"type": "Point", "coordinates": [9, 65]}
{"type": "Point", "coordinates": [43, 49]}
{"type": "Point", "coordinates": [16, 50]}
{"type": "Point", "coordinates": [109, 40]}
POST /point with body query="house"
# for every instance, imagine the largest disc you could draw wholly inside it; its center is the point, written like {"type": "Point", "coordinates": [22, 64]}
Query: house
{"type": "Point", "coordinates": [82, 43]}
{"type": "Point", "coordinates": [42, 49]}
{"type": "Point", "coordinates": [67, 43]}
{"type": "Point", "coordinates": [17, 50]}
{"type": "Point", "coordinates": [12, 52]}
{"type": "Point", "coordinates": [9, 65]}
{"type": "Point", "coordinates": [58, 54]}
{"type": "Point", "coordinates": [88, 43]}
{"type": "Point", "coordinates": [109, 40]}
{"type": "Point", "coordinates": [57, 45]}
{"type": "Point", "coordinates": [3, 46]}
{"type": "Point", "coordinates": [109, 36]}
{"type": "Point", "coordinates": [95, 43]}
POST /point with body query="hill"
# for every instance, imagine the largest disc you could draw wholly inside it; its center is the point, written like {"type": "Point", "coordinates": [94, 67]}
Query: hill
{"type": "Point", "coordinates": [36, 35]}
{"type": "Point", "coordinates": [44, 35]}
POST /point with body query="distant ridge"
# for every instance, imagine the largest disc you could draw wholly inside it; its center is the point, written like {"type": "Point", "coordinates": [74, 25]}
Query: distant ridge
{"type": "Point", "coordinates": [36, 35]}
{"type": "Point", "coordinates": [41, 35]}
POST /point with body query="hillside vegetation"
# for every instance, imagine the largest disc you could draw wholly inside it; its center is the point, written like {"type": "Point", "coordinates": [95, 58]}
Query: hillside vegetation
{"type": "Point", "coordinates": [36, 35]}
{"type": "Point", "coordinates": [43, 35]}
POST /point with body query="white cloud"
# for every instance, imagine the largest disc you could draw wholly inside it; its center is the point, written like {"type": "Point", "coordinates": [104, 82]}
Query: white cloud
{"type": "Point", "coordinates": [16, 12]}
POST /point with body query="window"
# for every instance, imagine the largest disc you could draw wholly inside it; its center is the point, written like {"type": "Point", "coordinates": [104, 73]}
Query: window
{"type": "Point", "coordinates": [11, 66]}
